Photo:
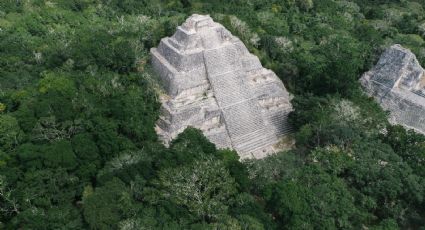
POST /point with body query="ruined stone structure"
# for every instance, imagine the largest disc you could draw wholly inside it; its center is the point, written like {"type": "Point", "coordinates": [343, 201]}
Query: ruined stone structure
{"type": "Point", "coordinates": [213, 83]}
{"type": "Point", "coordinates": [397, 82]}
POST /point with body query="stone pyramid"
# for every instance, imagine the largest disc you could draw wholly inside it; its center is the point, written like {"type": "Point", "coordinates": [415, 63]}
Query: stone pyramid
{"type": "Point", "coordinates": [397, 82]}
{"type": "Point", "coordinates": [213, 83]}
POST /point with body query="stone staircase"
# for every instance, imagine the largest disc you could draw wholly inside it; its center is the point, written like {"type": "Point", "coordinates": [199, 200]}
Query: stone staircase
{"type": "Point", "coordinates": [242, 118]}
{"type": "Point", "coordinates": [280, 121]}
{"type": "Point", "coordinates": [229, 89]}
{"type": "Point", "coordinates": [254, 141]}
{"type": "Point", "coordinates": [241, 113]}
{"type": "Point", "coordinates": [419, 93]}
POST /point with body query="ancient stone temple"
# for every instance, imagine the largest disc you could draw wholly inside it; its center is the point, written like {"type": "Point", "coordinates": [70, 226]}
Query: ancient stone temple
{"type": "Point", "coordinates": [397, 82]}
{"type": "Point", "coordinates": [213, 83]}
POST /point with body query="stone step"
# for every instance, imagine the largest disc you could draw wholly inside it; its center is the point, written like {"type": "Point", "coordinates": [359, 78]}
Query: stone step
{"type": "Point", "coordinates": [163, 66]}
{"type": "Point", "coordinates": [261, 140]}
{"type": "Point", "coordinates": [240, 129]}
{"type": "Point", "coordinates": [241, 113]}
{"type": "Point", "coordinates": [253, 149]}
{"type": "Point", "coordinates": [419, 93]}
{"type": "Point", "coordinates": [248, 137]}
{"type": "Point", "coordinates": [280, 117]}
{"type": "Point", "coordinates": [170, 53]}
{"type": "Point", "coordinates": [186, 61]}
{"type": "Point", "coordinates": [281, 124]}
{"type": "Point", "coordinates": [286, 129]}
{"type": "Point", "coordinates": [175, 43]}
{"type": "Point", "coordinates": [242, 119]}
{"type": "Point", "coordinates": [229, 88]}
{"type": "Point", "coordinates": [221, 60]}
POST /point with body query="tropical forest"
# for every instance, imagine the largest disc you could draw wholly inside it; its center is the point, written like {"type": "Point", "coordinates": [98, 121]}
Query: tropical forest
{"type": "Point", "coordinates": [79, 102]}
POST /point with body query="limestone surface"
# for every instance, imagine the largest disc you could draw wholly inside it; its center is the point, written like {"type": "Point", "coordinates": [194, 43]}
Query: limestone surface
{"type": "Point", "coordinates": [397, 82]}
{"type": "Point", "coordinates": [213, 83]}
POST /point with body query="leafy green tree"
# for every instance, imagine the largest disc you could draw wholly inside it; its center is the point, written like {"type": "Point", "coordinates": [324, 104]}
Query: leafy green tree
{"type": "Point", "coordinates": [186, 148]}
{"type": "Point", "coordinates": [107, 138]}
{"type": "Point", "coordinates": [11, 6]}
{"type": "Point", "coordinates": [10, 132]}
{"type": "Point", "coordinates": [236, 169]}
{"type": "Point", "coordinates": [26, 116]}
{"type": "Point", "coordinates": [386, 182]}
{"type": "Point", "coordinates": [305, 4]}
{"type": "Point", "coordinates": [3, 159]}
{"type": "Point", "coordinates": [332, 160]}
{"type": "Point", "coordinates": [9, 205]}
{"type": "Point", "coordinates": [323, 69]}
{"type": "Point", "coordinates": [52, 82]}
{"type": "Point", "coordinates": [59, 154]}
{"type": "Point", "coordinates": [87, 154]}
{"type": "Point", "coordinates": [204, 187]}
{"type": "Point", "coordinates": [30, 156]}
{"type": "Point", "coordinates": [267, 171]}
{"type": "Point", "coordinates": [38, 193]}
{"type": "Point", "coordinates": [137, 111]}
{"type": "Point", "coordinates": [314, 199]}
{"type": "Point", "coordinates": [57, 217]}
{"type": "Point", "coordinates": [409, 145]}
{"type": "Point", "coordinates": [127, 166]}
{"type": "Point", "coordinates": [109, 204]}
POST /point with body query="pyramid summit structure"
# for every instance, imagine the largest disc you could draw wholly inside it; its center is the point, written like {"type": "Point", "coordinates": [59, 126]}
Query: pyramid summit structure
{"type": "Point", "coordinates": [397, 82]}
{"type": "Point", "coordinates": [214, 84]}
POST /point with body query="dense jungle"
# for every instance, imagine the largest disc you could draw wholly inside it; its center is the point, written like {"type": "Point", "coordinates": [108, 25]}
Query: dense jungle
{"type": "Point", "coordinates": [79, 102]}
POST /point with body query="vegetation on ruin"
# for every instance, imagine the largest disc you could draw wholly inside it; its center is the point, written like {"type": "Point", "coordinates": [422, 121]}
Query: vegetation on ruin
{"type": "Point", "coordinates": [78, 106]}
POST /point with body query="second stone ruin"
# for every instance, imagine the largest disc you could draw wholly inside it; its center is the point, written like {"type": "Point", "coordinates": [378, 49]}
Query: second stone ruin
{"type": "Point", "coordinates": [213, 83]}
{"type": "Point", "coordinates": [397, 82]}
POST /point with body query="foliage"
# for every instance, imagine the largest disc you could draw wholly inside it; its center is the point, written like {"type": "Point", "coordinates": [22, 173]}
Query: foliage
{"type": "Point", "coordinates": [202, 187]}
{"type": "Point", "coordinates": [10, 133]}
{"type": "Point", "coordinates": [79, 102]}
{"type": "Point", "coordinates": [110, 203]}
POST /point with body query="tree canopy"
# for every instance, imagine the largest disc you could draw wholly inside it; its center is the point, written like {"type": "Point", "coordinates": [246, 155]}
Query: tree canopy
{"type": "Point", "coordinates": [79, 102]}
